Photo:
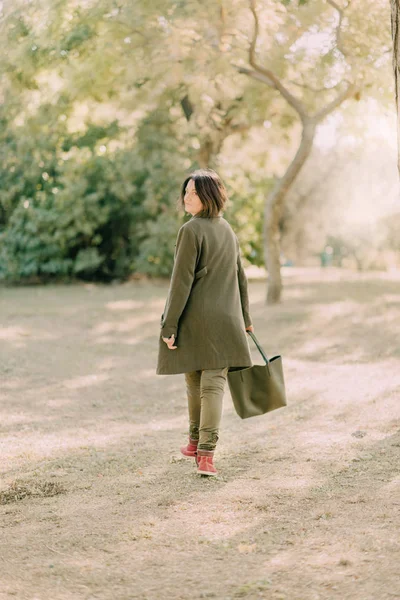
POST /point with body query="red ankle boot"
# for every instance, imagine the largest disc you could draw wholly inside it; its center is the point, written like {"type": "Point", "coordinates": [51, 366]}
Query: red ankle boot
{"type": "Point", "coordinates": [191, 449]}
{"type": "Point", "coordinates": [204, 462]}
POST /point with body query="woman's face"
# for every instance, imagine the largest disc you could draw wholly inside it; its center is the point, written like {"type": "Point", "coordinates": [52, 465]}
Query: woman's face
{"type": "Point", "coordinates": [193, 204]}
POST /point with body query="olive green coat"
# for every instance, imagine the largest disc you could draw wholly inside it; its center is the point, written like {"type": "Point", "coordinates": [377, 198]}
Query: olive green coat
{"type": "Point", "coordinates": [207, 306]}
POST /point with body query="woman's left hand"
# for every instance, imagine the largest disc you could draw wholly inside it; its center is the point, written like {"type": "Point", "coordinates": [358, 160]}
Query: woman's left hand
{"type": "Point", "coordinates": [170, 341]}
{"type": "Point", "coordinates": [250, 328]}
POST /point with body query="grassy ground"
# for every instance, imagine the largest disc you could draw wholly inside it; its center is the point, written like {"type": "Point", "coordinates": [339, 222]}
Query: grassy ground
{"type": "Point", "coordinates": [96, 502]}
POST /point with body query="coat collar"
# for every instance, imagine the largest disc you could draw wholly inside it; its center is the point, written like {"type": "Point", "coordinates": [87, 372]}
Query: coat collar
{"type": "Point", "coordinates": [200, 216]}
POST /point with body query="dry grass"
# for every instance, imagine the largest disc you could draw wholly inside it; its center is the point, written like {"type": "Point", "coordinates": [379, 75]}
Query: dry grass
{"type": "Point", "coordinates": [19, 490]}
{"type": "Point", "coordinates": [98, 503]}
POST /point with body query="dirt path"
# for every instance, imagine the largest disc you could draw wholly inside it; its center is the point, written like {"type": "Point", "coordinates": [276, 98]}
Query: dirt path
{"type": "Point", "coordinates": [96, 502]}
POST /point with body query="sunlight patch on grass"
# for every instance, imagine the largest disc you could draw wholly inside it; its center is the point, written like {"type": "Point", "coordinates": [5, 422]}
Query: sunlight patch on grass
{"type": "Point", "coordinates": [13, 334]}
{"type": "Point", "coordinates": [12, 384]}
{"type": "Point", "coordinates": [28, 446]}
{"type": "Point", "coordinates": [391, 298]}
{"type": "Point", "coordinates": [21, 337]}
{"type": "Point", "coordinates": [20, 418]}
{"type": "Point", "coordinates": [125, 305]}
{"type": "Point", "coordinates": [85, 381]}
{"type": "Point", "coordinates": [290, 482]}
{"type": "Point", "coordinates": [127, 325]}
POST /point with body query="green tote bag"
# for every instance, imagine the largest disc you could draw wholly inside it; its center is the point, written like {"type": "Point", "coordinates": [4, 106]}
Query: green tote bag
{"type": "Point", "coordinates": [258, 389]}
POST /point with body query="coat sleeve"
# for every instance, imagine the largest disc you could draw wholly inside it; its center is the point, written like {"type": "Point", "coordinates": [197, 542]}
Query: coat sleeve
{"type": "Point", "coordinates": [185, 260]}
{"type": "Point", "coordinates": [244, 294]}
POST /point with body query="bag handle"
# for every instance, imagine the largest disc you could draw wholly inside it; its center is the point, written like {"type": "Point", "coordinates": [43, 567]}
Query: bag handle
{"type": "Point", "coordinates": [257, 343]}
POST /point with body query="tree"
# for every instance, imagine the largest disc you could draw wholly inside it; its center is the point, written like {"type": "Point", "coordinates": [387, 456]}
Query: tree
{"type": "Point", "coordinates": [395, 21]}
{"type": "Point", "coordinates": [275, 202]}
{"type": "Point", "coordinates": [349, 83]}
{"type": "Point", "coordinates": [107, 104]}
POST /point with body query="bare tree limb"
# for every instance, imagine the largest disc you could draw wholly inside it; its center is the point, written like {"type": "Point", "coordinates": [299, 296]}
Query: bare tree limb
{"type": "Point", "coordinates": [316, 90]}
{"type": "Point", "coordinates": [275, 201]}
{"type": "Point", "coordinates": [326, 110]}
{"type": "Point", "coordinates": [351, 88]}
{"type": "Point", "coordinates": [268, 76]}
{"type": "Point", "coordinates": [257, 75]}
{"type": "Point", "coordinates": [339, 43]}
{"type": "Point", "coordinates": [395, 31]}
{"type": "Point", "coordinates": [240, 127]}
{"type": "Point", "coordinates": [338, 31]}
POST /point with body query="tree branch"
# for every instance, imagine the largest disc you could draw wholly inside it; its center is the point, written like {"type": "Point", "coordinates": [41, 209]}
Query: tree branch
{"type": "Point", "coordinates": [351, 88]}
{"type": "Point", "coordinates": [339, 41]}
{"type": "Point", "coordinates": [256, 75]}
{"type": "Point", "coordinates": [269, 78]}
{"type": "Point", "coordinates": [316, 90]}
{"type": "Point", "coordinates": [321, 114]}
{"type": "Point", "coordinates": [395, 32]}
{"type": "Point", "coordinates": [240, 127]}
{"type": "Point", "coordinates": [266, 75]}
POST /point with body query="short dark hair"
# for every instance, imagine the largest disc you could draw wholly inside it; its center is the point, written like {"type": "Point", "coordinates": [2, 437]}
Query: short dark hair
{"type": "Point", "coordinates": [210, 190]}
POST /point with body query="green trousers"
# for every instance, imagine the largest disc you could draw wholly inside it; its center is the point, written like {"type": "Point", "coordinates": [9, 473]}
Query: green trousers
{"type": "Point", "coordinates": [205, 391]}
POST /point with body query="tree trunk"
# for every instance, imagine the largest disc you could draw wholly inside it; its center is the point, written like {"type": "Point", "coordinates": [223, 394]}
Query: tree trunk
{"type": "Point", "coordinates": [211, 146]}
{"type": "Point", "coordinates": [395, 5]}
{"type": "Point", "coordinates": [205, 153]}
{"type": "Point", "coordinates": [273, 213]}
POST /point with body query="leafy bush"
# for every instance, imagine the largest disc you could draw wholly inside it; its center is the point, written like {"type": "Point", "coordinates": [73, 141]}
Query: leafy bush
{"type": "Point", "coordinates": [71, 208]}
{"type": "Point", "coordinates": [79, 227]}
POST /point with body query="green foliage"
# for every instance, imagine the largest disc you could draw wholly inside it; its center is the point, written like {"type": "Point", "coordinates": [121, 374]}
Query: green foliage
{"type": "Point", "coordinates": [77, 36]}
{"type": "Point", "coordinates": [93, 134]}
{"type": "Point", "coordinates": [81, 226]}
{"type": "Point", "coordinates": [28, 156]}
{"type": "Point", "coordinates": [247, 195]}
{"type": "Point", "coordinates": [159, 146]}
{"type": "Point", "coordinates": [70, 208]}
{"type": "Point", "coordinates": [106, 106]}
{"type": "Point", "coordinates": [156, 251]}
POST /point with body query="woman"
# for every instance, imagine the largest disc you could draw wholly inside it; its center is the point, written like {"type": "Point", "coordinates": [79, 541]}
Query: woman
{"type": "Point", "coordinates": [206, 314]}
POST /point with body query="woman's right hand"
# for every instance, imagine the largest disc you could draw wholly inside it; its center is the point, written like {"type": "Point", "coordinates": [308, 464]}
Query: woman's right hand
{"type": "Point", "coordinates": [250, 328]}
{"type": "Point", "coordinates": [170, 342]}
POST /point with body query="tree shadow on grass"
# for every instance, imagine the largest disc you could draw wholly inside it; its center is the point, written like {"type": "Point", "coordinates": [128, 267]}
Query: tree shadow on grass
{"type": "Point", "coordinates": [114, 441]}
{"type": "Point", "coordinates": [139, 485]}
{"type": "Point", "coordinates": [343, 322]}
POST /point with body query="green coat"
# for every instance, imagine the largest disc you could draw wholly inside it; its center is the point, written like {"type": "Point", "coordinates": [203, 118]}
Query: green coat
{"type": "Point", "coordinates": [207, 306]}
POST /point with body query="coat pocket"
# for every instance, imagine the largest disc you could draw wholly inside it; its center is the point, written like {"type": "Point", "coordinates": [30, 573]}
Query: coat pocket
{"type": "Point", "coordinates": [200, 273]}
